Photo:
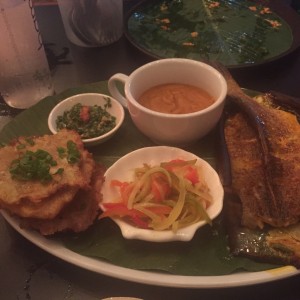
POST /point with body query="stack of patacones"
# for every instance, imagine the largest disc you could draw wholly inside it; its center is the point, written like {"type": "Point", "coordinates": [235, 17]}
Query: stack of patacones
{"type": "Point", "coordinates": [51, 182]}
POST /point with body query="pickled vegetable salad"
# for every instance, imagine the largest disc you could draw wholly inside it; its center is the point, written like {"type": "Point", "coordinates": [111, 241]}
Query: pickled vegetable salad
{"type": "Point", "coordinates": [169, 196]}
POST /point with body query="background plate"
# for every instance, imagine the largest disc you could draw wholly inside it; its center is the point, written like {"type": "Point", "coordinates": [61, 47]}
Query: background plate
{"type": "Point", "coordinates": [239, 33]}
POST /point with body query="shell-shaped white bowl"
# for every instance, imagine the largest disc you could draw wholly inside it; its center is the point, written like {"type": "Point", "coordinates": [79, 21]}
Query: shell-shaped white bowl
{"type": "Point", "coordinates": [123, 170]}
{"type": "Point", "coordinates": [89, 99]}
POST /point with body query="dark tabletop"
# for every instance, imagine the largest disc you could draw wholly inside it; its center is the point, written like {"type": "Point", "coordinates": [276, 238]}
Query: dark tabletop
{"type": "Point", "coordinates": [27, 272]}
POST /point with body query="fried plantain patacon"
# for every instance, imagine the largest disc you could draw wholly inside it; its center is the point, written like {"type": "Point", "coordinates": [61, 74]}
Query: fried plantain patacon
{"type": "Point", "coordinates": [78, 215]}
{"type": "Point", "coordinates": [42, 178]}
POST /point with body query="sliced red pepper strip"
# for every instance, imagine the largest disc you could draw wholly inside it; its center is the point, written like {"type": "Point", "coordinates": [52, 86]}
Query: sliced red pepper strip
{"type": "Point", "coordinates": [116, 182]}
{"type": "Point", "coordinates": [160, 187]}
{"type": "Point", "coordinates": [85, 113]}
{"type": "Point", "coordinates": [188, 168]}
{"type": "Point", "coordinates": [125, 189]}
{"type": "Point", "coordinates": [121, 210]}
{"type": "Point", "coordinates": [191, 174]}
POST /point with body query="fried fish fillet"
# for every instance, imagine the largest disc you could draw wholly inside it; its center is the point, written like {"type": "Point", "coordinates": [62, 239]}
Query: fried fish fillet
{"type": "Point", "coordinates": [13, 191]}
{"type": "Point", "coordinates": [264, 150]}
{"type": "Point", "coordinates": [249, 182]}
{"type": "Point", "coordinates": [260, 170]}
{"type": "Point", "coordinates": [76, 216]}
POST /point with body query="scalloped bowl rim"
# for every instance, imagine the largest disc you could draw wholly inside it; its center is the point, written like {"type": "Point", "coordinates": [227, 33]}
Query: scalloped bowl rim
{"type": "Point", "coordinates": [123, 170]}
{"type": "Point", "coordinates": [87, 99]}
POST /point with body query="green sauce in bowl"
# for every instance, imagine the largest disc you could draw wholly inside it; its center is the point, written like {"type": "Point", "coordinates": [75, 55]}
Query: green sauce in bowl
{"type": "Point", "coordinates": [88, 121]}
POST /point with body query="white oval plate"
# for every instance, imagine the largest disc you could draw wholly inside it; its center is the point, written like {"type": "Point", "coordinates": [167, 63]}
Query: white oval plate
{"type": "Point", "coordinates": [57, 249]}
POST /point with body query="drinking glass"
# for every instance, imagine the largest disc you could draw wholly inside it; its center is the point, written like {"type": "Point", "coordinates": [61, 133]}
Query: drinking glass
{"type": "Point", "coordinates": [92, 23]}
{"type": "Point", "coordinates": [25, 77]}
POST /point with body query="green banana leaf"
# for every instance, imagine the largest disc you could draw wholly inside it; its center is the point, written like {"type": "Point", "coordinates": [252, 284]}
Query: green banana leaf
{"type": "Point", "coordinates": [206, 254]}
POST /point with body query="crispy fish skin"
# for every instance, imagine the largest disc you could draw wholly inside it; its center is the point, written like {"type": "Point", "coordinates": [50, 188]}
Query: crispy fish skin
{"type": "Point", "coordinates": [282, 134]}
{"type": "Point", "coordinates": [270, 245]}
{"type": "Point", "coordinates": [14, 191]}
{"type": "Point", "coordinates": [76, 216]}
{"type": "Point", "coordinates": [286, 239]}
{"type": "Point", "coordinates": [246, 170]}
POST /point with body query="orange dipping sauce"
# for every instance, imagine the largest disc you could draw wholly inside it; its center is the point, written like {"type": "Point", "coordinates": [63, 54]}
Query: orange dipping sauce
{"type": "Point", "coordinates": [176, 98]}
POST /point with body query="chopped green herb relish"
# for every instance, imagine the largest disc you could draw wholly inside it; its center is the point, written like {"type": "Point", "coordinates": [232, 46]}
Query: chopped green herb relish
{"type": "Point", "coordinates": [88, 121]}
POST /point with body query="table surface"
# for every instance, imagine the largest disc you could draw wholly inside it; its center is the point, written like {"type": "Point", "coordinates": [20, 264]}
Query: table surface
{"type": "Point", "coordinates": [28, 272]}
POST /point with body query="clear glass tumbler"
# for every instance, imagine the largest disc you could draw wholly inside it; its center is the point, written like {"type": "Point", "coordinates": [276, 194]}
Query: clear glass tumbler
{"type": "Point", "coordinates": [92, 23]}
{"type": "Point", "coordinates": [24, 73]}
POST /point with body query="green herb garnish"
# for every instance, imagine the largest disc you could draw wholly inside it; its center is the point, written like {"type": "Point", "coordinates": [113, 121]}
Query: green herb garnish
{"type": "Point", "coordinates": [73, 155]}
{"type": "Point", "coordinates": [59, 171]}
{"type": "Point", "coordinates": [30, 141]}
{"type": "Point", "coordinates": [61, 152]}
{"type": "Point", "coordinates": [32, 166]}
{"type": "Point", "coordinates": [21, 146]}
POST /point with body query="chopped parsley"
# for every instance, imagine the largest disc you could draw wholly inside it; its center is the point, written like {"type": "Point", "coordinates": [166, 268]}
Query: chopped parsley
{"type": "Point", "coordinates": [30, 141]}
{"type": "Point", "coordinates": [36, 165]}
{"type": "Point", "coordinates": [73, 154]}
{"type": "Point", "coordinates": [33, 166]}
{"type": "Point", "coordinates": [88, 121]}
{"type": "Point", "coordinates": [61, 152]}
{"type": "Point", "coordinates": [21, 146]}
